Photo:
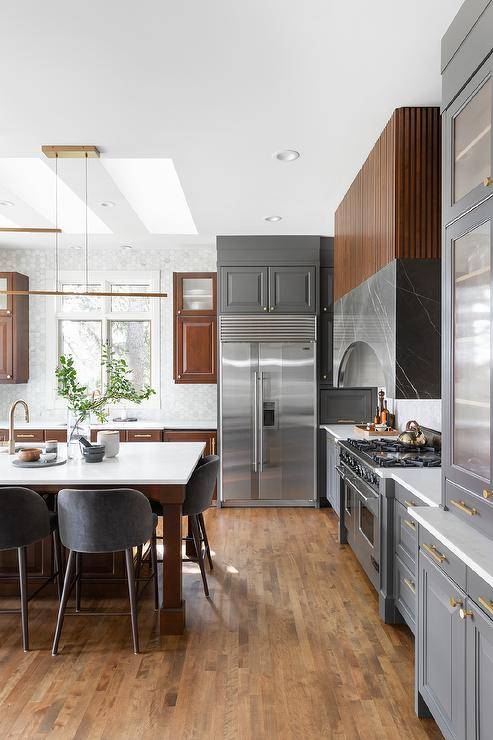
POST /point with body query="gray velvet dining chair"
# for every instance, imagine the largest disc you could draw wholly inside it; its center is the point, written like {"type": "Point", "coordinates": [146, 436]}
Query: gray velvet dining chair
{"type": "Point", "coordinates": [198, 498]}
{"type": "Point", "coordinates": [104, 521]}
{"type": "Point", "coordinates": [24, 520]}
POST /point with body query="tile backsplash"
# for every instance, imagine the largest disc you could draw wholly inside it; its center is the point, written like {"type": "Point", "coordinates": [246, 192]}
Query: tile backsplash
{"type": "Point", "coordinates": [427, 412]}
{"type": "Point", "coordinates": [180, 402]}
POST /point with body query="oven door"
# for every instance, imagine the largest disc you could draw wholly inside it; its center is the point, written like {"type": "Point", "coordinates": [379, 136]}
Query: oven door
{"type": "Point", "coordinates": [366, 514]}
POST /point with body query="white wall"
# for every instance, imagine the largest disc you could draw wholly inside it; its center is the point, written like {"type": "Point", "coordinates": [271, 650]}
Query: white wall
{"type": "Point", "coordinates": [180, 402]}
{"type": "Point", "coordinates": [427, 412]}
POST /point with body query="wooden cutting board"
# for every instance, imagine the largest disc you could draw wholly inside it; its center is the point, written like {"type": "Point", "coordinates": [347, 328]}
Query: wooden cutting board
{"type": "Point", "coordinates": [361, 429]}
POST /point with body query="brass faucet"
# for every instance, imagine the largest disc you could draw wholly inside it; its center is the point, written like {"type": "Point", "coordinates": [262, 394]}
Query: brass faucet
{"type": "Point", "coordinates": [11, 423]}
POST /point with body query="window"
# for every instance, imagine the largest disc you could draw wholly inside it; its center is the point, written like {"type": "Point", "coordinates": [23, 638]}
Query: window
{"type": "Point", "coordinates": [129, 325]}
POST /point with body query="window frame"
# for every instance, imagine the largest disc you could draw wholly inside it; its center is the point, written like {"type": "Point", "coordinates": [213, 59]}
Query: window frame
{"type": "Point", "coordinates": [105, 278]}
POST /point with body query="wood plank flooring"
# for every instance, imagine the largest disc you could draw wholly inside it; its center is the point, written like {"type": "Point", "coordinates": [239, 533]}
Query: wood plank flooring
{"type": "Point", "coordinates": [290, 646]}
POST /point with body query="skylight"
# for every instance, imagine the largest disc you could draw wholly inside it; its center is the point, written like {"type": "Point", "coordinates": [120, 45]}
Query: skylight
{"type": "Point", "coordinates": [33, 181]}
{"type": "Point", "coordinates": [153, 189]}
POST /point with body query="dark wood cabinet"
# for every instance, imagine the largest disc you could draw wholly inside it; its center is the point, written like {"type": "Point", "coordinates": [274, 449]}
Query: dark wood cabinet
{"type": "Point", "coordinates": [244, 289]}
{"type": "Point", "coordinates": [14, 329]}
{"type": "Point", "coordinates": [207, 436]}
{"type": "Point", "coordinates": [195, 327]}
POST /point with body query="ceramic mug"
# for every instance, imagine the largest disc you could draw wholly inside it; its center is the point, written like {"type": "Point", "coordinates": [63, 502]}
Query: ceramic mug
{"type": "Point", "coordinates": [111, 442]}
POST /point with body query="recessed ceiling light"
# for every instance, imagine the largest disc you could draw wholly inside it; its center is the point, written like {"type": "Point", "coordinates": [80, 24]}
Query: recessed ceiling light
{"type": "Point", "coordinates": [287, 155]}
{"type": "Point", "coordinates": [127, 246]}
{"type": "Point", "coordinates": [273, 219]}
{"type": "Point", "coordinates": [107, 204]}
{"type": "Point", "coordinates": [7, 203]}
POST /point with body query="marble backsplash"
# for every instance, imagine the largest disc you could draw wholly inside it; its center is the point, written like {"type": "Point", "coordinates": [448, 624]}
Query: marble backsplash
{"type": "Point", "coordinates": [181, 402]}
{"type": "Point", "coordinates": [396, 312]}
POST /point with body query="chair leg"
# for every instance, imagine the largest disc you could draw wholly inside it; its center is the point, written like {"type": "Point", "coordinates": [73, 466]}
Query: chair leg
{"type": "Point", "coordinates": [133, 600]}
{"type": "Point", "coordinates": [138, 569]}
{"type": "Point", "coordinates": [67, 583]}
{"type": "Point", "coordinates": [194, 525]}
{"type": "Point", "coordinates": [78, 580]}
{"type": "Point", "coordinates": [22, 557]}
{"type": "Point", "coordinates": [206, 540]}
{"type": "Point", "coordinates": [154, 571]}
{"type": "Point", "coordinates": [57, 552]}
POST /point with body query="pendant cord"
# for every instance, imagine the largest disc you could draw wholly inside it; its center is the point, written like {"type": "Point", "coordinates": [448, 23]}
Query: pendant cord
{"type": "Point", "coordinates": [86, 240]}
{"type": "Point", "coordinates": [56, 223]}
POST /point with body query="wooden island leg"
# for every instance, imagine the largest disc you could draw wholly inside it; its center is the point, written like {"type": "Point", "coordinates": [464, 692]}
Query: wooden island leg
{"type": "Point", "coordinates": [172, 613]}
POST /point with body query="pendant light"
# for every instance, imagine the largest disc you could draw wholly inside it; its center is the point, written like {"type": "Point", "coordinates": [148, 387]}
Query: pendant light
{"type": "Point", "coordinates": [72, 152]}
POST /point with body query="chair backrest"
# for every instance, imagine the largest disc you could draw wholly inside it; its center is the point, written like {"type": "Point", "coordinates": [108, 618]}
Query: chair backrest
{"type": "Point", "coordinates": [104, 520]}
{"type": "Point", "coordinates": [24, 517]}
{"type": "Point", "coordinates": [200, 487]}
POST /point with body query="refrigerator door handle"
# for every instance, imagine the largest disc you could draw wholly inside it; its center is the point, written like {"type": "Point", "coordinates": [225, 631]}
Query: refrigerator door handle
{"type": "Point", "coordinates": [255, 421]}
{"type": "Point", "coordinates": [261, 422]}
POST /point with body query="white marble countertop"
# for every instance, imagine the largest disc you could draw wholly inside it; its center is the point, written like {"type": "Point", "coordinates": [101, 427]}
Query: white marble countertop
{"type": "Point", "coordinates": [424, 483]}
{"type": "Point", "coordinates": [340, 431]}
{"type": "Point", "coordinates": [472, 547]}
{"type": "Point", "coordinates": [149, 463]}
{"type": "Point", "coordinates": [140, 424]}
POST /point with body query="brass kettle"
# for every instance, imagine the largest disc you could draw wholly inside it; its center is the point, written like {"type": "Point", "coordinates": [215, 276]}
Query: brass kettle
{"type": "Point", "coordinates": [412, 435]}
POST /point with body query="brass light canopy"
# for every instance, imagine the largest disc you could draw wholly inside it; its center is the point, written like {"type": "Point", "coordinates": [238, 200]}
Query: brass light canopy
{"type": "Point", "coordinates": [65, 151]}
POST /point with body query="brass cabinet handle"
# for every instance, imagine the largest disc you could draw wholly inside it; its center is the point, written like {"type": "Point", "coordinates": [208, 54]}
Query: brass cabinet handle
{"type": "Point", "coordinates": [410, 503]}
{"type": "Point", "coordinates": [179, 376]}
{"type": "Point", "coordinates": [9, 377]}
{"type": "Point", "coordinates": [454, 602]}
{"type": "Point", "coordinates": [346, 421]}
{"type": "Point", "coordinates": [411, 586]}
{"type": "Point", "coordinates": [431, 550]}
{"type": "Point", "coordinates": [487, 493]}
{"type": "Point", "coordinates": [324, 377]}
{"type": "Point", "coordinates": [142, 436]}
{"type": "Point", "coordinates": [410, 524]}
{"type": "Point", "coordinates": [325, 308]}
{"type": "Point", "coordinates": [464, 613]}
{"type": "Point", "coordinates": [25, 436]}
{"type": "Point", "coordinates": [463, 507]}
{"type": "Point", "coordinates": [213, 445]}
{"type": "Point", "coordinates": [487, 604]}
{"type": "Point", "coordinates": [487, 182]}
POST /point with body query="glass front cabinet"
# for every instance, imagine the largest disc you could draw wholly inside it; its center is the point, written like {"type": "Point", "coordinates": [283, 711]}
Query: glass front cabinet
{"type": "Point", "coordinates": [195, 332]}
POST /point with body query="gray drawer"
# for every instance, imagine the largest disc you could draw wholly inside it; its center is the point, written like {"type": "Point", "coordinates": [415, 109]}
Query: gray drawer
{"type": "Point", "coordinates": [469, 508]}
{"type": "Point", "coordinates": [442, 557]}
{"type": "Point", "coordinates": [405, 535]}
{"type": "Point", "coordinates": [405, 497]}
{"type": "Point", "coordinates": [480, 592]}
{"type": "Point", "coordinates": [405, 592]}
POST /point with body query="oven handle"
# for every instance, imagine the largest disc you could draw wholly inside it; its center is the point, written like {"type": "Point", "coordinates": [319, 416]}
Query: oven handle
{"type": "Point", "coordinates": [341, 472]}
{"type": "Point", "coordinates": [367, 499]}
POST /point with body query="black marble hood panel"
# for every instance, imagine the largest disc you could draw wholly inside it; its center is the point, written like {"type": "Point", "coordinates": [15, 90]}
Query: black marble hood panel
{"type": "Point", "coordinates": [396, 312]}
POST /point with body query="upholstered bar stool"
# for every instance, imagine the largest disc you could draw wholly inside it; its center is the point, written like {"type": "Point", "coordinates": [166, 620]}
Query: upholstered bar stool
{"type": "Point", "coordinates": [198, 498]}
{"type": "Point", "coordinates": [25, 519]}
{"type": "Point", "coordinates": [104, 521]}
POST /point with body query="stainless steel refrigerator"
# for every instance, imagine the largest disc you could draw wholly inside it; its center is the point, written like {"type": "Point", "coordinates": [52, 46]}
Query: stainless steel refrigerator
{"type": "Point", "coordinates": [268, 410]}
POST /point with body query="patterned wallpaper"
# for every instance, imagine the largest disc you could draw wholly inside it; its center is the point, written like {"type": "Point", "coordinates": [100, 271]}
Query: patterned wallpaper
{"type": "Point", "coordinates": [180, 402]}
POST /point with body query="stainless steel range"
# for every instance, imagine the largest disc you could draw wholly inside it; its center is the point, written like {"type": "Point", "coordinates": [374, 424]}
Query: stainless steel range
{"type": "Point", "coordinates": [362, 491]}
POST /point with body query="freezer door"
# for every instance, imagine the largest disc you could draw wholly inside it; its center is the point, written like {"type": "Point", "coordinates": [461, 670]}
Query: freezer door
{"type": "Point", "coordinates": [239, 421]}
{"type": "Point", "coordinates": [287, 421]}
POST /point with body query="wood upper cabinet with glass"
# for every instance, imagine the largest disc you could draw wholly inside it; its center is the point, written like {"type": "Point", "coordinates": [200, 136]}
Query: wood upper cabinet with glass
{"type": "Point", "coordinates": [14, 329]}
{"type": "Point", "coordinates": [195, 332]}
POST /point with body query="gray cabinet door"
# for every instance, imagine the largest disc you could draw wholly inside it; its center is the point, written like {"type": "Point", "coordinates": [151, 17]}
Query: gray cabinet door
{"type": "Point", "coordinates": [292, 289]}
{"type": "Point", "coordinates": [332, 478]}
{"type": "Point", "coordinates": [244, 289]}
{"type": "Point", "coordinates": [441, 649]}
{"type": "Point", "coordinates": [479, 674]}
{"type": "Point", "coordinates": [347, 405]}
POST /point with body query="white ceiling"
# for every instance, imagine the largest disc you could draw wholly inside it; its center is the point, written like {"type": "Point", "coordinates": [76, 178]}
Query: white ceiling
{"type": "Point", "coordinates": [218, 86]}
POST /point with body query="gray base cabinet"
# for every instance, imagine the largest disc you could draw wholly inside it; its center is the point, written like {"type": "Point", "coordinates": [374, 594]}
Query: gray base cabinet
{"type": "Point", "coordinates": [479, 674]}
{"type": "Point", "coordinates": [332, 478]}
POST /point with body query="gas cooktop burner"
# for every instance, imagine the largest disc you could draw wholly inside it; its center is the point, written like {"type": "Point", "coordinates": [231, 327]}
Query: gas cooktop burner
{"type": "Point", "coordinates": [392, 454]}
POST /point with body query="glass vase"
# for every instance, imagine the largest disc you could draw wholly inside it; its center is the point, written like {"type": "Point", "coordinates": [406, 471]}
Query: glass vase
{"type": "Point", "coordinates": [77, 427]}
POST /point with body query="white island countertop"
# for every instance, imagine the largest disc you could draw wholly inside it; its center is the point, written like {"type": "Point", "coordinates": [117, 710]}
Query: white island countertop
{"type": "Point", "coordinates": [472, 547]}
{"type": "Point", "coordinates": [149, 463]}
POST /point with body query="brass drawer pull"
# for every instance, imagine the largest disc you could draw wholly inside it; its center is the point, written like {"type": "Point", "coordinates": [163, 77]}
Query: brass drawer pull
{"type": "Point", "coordinates": [487, 493]}
{"type": "Point", "coordinates": [487, 182]}
{"type": "Point", "coordinates": [463, 507]}
{"type": "Point", "coordinates": [213, 444]}
{"type": "Point", "coordinates": [464, 613]}
{"type": "Point", "coordinates": [487, 604]}
{"type": "Point", "coordinates": [25, 436]}
{"type": "Point", "coordinates": [431, 550]}
{"type": "Point", "coordinates": [410, 524]}
{"type": "Point", "coordinates": [454, 602]}
{"type": "Point", "coordinates": [410, 503]}
{"type": "Point", "coordinates": [142, 436]}
{"type": "Point", "coordinates": [411, 586]}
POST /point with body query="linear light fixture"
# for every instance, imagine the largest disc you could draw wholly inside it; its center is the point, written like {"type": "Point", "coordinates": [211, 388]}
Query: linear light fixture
{"type": "Point", "coordinates": [75, 152]}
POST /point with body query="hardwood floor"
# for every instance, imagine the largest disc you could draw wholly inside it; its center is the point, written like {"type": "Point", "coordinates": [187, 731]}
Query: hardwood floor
{"type": "Point", "coordinates": [290, 646]}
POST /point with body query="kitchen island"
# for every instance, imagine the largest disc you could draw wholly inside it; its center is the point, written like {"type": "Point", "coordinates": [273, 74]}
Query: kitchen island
{"type": "Point", "coordinates": [160, 471]}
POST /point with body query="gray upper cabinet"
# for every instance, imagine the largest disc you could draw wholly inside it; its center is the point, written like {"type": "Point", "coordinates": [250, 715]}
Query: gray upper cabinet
{"type": "Point", "coordinates": [244, 289]}
{"type": "Point", "coordinates": [479, 674]}
{"type": "Point", "coordinates": [292, 289]}
{"type": "Point", "coordinates": [280, 289]}
{"type": "Point", "coordinates": [442, 649]}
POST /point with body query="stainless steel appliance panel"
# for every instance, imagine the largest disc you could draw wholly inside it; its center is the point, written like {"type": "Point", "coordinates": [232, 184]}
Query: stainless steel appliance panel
{"type": "Point", "coordinates": [239, 425]}
{"type": "Point", "coordinates": [287, 421]}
